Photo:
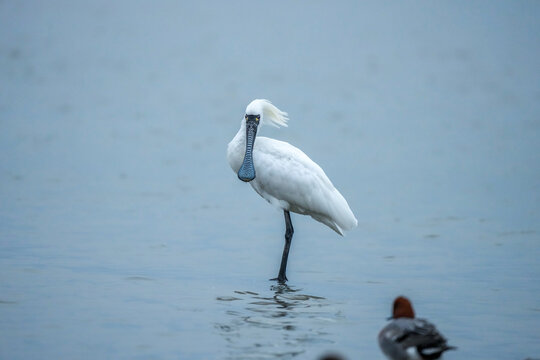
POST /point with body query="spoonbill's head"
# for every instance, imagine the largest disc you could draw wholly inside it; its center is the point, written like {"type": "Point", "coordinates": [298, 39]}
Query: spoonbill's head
{"type": "Point", "coordinates": [258, 112]}
{"type": "Point", "coordinates": [402, 308]}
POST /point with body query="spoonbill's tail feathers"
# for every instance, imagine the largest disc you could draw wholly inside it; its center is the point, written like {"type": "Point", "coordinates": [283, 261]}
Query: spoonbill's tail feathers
{"type": "Point", "coordinates": [339, 217]}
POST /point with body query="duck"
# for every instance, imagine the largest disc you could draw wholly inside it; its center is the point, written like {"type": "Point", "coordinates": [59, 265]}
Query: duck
{"type": "Point", "coordinates": [409, 338]}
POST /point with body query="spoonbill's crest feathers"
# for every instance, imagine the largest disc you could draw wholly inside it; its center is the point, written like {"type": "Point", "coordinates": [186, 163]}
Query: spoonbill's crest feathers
{"type": "Point", "coordinates": [270, 114]}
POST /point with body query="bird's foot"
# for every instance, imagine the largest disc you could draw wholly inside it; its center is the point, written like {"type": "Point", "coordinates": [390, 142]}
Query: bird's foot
{"type": "Point", "coordinates": [280, 279]}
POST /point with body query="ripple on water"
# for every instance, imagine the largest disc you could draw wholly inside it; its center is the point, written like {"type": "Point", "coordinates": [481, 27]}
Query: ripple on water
{"type": "Point", "coordinates": [138, 278]}
{"type": "Point", "coordinates": [281, 323]}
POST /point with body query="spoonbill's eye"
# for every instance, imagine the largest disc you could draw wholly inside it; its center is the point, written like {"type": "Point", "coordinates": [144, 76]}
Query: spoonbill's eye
{"type": "Point", "coordinates": [258, 117]}
{"type": "Point", "coordinates": [245, 117]}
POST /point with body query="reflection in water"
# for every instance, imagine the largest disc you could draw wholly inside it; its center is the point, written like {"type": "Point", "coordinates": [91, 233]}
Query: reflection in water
{"type": "Point", "coordinates": [281, 325]}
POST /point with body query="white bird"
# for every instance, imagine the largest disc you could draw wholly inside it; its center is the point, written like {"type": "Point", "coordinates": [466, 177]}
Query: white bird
{"type": "Point", "coordinates": [410, 338]}
{"type": "Point", "coordinates": [284, 176]}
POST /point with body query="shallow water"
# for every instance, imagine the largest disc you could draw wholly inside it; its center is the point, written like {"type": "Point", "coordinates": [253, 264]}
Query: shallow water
{"type": "Point", "coordinates": [124, 234]}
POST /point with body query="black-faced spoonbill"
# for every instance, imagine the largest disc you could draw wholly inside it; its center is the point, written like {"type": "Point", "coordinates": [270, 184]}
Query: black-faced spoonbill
{"type": "Point", "coordinates": [408, 338]}
{"type": "Point", "coordinates": [284, 176]}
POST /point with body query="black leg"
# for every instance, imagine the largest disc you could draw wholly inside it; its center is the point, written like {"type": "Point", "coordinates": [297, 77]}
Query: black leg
{"type": "Point", "coordinates": [288, 237]}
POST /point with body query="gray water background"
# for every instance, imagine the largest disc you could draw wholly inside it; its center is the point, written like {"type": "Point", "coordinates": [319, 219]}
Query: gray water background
{"type": "Point", "coordinates": [124, 234]}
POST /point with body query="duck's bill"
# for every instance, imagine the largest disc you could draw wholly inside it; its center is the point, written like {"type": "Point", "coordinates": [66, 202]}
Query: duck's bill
{"type": "Point", "coordinates": [247, 170]}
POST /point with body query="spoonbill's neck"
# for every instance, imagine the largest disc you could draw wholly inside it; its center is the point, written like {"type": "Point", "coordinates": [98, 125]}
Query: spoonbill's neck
{"type": "Point", "coordinates": [240, 137]}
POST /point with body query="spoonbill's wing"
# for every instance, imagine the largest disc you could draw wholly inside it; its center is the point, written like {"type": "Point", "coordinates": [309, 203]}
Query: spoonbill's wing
{"type": "Point", "coordinates": [289, 179]}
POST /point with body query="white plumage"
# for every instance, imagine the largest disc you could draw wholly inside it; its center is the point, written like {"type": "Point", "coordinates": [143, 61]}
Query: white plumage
{"type": "Point", "coordinates": [285, 176]}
